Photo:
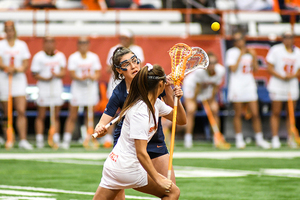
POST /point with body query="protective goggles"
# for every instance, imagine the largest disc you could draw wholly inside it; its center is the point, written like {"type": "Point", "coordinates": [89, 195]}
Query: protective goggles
{"type": "Point", "coordinates": [124, 64]}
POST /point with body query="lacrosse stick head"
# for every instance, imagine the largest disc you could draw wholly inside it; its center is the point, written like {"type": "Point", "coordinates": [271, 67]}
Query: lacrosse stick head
{"type": "Point", "coordinates": [179, 54]}
{"type": "Point", "coordinates": [198, 60]}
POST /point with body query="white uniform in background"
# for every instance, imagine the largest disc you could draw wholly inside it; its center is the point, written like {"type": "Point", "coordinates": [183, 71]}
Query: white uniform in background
{"type": "Point", "coordinates": [84, 92]}
{"type": "Point", "coordinates": [242, 86]}
{"type": "Point", "coordinates": [137, 50]}
{"type": "Point", "coordinates": [283, 62]}
{"type": "Point", "coordinates": [44, 65]}
{"type": "Point", "coordinates": [122, 168]}
{"type": "Point", "coordinates": [20, 52]}
{"type": "Point", "coordinates": [207, 82]}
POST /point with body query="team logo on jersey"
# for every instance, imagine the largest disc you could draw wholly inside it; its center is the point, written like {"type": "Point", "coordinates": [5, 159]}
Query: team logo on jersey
{"type": "Point", "coordinates": [113, 156]}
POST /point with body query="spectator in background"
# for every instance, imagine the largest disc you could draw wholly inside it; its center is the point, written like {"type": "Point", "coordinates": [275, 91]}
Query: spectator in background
{"type": "Point", "coordinates": [12, 47]}
{"type": "Point", "coordinates": [132, 4]}
{"type": "Point", "coordinates": [254, 4]}
{"type": "Point", "coordinates": [48, 67]}
{"type": "Point", "coordinates": [41, 3]}
{"type": "Point", "coordinates": [126, 40]}
{"type": "Point", "coordinates": [242, 88]}
{"type": "Point", "coordinates": [84, 67]}
{"type": "Point", "coordinates": [198, 86]}
{"type": "Point", "coordinates": [284, 66]}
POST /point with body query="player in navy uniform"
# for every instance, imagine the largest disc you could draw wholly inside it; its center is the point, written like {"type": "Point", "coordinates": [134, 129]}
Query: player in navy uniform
{"type": "Point", "coordinates": [125, 66]}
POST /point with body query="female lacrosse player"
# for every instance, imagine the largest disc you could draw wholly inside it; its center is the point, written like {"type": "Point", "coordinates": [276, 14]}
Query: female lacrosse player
{"type": "Point", "coordinates": [14, 58]}
{"type": "Point", "coordinates": [84, 67]}
{"type": "Point", "coordinates": [125, 66]}
{"type": "Point", "coordinates": [284, 66]}
{"type": "Point", "coordinates": [129, 164]}
{"type": "Point", "coordinates": [48, 67]}
{"type": "Point", "coordinates": [242, 88]}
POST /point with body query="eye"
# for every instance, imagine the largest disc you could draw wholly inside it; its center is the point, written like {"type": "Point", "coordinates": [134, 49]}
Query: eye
{"type": "Point", "coordinates": [125, 64]}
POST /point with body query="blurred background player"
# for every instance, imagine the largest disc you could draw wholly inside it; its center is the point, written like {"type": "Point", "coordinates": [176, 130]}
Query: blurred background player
{"type": "Point", "coordinates": [242, 88]}
{"type": "Point", "coordinates": [12, 47]}
{"type": "Point", "coordinates": [84, 67]}
{"type": "Point", "coordinates": [283, 64]}
{"type": "Point", "coordinates": [48, 67]}
{"type": "Point", "coordinates": [126, 39]}
{"type": "Point", "coordinates": [198, 86]}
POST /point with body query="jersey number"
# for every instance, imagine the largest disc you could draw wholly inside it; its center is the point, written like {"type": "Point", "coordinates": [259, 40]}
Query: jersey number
{"type": "Point", "coordinates": [247, 69]}
{"type": "Point", "coordinates": [289, 69]}
{"type": "Point", "coordinates": [86, 72]}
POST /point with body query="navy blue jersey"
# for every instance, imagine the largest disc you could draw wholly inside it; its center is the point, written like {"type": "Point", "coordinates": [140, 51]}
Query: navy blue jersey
{"type": "Point", "coordinates": [116, 101]}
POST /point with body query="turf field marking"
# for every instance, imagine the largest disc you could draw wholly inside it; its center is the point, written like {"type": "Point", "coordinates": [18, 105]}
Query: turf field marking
{"type": "Point", "coordinates": [282, 172]}
{"type": "Point", "coordinates": [66, 191]}
{"type": "Point", "coordinates": [80, 162]}
{"type": "Point", "coordinates": [23, 193]}
{"type": "Point", "coordinates": [27, 198]}
{"type": "Point", "coordinates": [209, 155]}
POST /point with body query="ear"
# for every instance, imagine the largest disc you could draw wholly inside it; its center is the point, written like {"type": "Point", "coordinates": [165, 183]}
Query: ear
{"type": "Point", "coordinates": [119, 70]}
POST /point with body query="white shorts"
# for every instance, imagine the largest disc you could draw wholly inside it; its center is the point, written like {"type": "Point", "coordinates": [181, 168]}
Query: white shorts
{"type": "Point", "coordinates": [244, 95]}
{"type": "Point", "coordinates": [123, 180]}
{"type": "Point", "coordinates": [46, 101]}
{"type": "Point", "coordinates": [279, 96]}
{"type": "Point", "coordinates": [84, 94]}
{"type": "Point", "coordinates": [19, 84]}
{"type": "Point", "coordinates": [50, 93]}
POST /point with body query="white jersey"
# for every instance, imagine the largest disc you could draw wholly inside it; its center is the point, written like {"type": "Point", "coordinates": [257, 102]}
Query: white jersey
{"type": "Point", "coordinates": [20, 52]}
{"type": "Point", "coordinates": [242, 85]}
{"type": "Point", "coordinates": [44, 65]}
{"type": "Point", "coordinates": [136, 125]}
{"type": "Point", "coordinates": [84, 92]}
{"type": "Point", "coordinates": [137, 50]}
{"type": "Point", "coordinates": [205, 81]}
{"type": "Point", "coordinates": [284, 62]}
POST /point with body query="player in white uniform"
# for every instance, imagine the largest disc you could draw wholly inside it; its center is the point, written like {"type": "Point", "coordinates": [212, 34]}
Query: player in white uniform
{"type": "Point", "coordinates": [198, 86]}
{"type": "Point", "coordinates": [84, 67]}
{"type": "Point", "coordinates": [284, 66]}
{"type": "Point", "coordinates": [129, 165]}
{"type": "Point", "coordinates": [48, 67]}
{"type": "Point", "coordinates": [14, 49]}
{"type": "Point", "coordinates": [242, 88]}
{"type": "Point", "coordinates": [126, 40]}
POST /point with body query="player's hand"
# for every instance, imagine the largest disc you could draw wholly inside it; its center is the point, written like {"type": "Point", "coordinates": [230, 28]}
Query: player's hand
{"type": "Point", "coordinates": [100, 130]}
{"type": "Point", "coordinates": [165, 183]}
{"type": "Point", "coordinates": [169, 80]}
{"type": "Point", "coordinates": [178, 91]}
{"type": "Point", "coordinates": [252, 52]}
{"type": "Point", "coordinates": [9, 70]}
{"type": "Point", "coordinates": [289, 77]}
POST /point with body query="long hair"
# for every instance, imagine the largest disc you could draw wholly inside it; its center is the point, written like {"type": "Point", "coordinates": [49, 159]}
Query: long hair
{"type": "Point", "coordinates": [12, 24]}
{"type": "Point", "coordinates": [116, 58]}
{"type": "Point", "coordinates": [143, 83]}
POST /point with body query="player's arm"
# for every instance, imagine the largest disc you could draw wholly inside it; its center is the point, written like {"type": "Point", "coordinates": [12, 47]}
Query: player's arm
{"type": "Point", "coordinates": [144, 159]}
{"type": "Point", "coordinates": [23, 67]}
{"type": "Point", "coordinates": [2, 66]}
{"type": "Point", "coordinates": [234, 67]}
{"type": "Point", "coordinates": [75, 77]}
{"type": "Point", "coordinates": [37, 76]}
{"type": "Point", "coordinates": [273, 72]}
{"type": "Point", "coordinates": [95, 76]}
{"type": "Point", "coordinates": [61, 73]}
{"type": "Point", "coordinates": [181, 115]}
{"type": "Point", "coordinates": [254, 59]}
{"type": "Point", "coordinates": [291, 76]}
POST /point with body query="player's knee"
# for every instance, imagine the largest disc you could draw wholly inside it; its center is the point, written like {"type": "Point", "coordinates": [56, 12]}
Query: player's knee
{"type": "Point", "coordinates": [175, 192]}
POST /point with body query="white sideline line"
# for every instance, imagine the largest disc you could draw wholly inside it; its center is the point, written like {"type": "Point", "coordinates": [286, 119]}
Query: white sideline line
{"type": "Point", "coordinates": [80, 162]}
{"type": "Point", "coordinates": [23, 193]}
{"type": "Point", "coordinates": [27, 198]}
{"type": "Point", "coordinates": [66, 191]}
{"type": "Point", "coordinates": [207, 155]}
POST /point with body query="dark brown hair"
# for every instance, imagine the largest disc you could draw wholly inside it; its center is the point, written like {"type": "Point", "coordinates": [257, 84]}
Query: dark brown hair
{"type": "Point", "coordinates": [143, 83]}
{"type": "Point", "coordinates": [115, 60]}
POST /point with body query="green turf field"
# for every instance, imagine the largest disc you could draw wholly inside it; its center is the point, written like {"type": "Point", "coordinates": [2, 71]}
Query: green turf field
{"type": "Point", "coordinates": [208, 174]}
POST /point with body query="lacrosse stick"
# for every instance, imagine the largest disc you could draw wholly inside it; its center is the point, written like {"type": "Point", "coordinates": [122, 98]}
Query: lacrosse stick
{"type": "Point", "coordinates": [95, 135]}
{"type": "Point", "coordinates": [293, 132]}
{"type": "Point", "coordinates": [90, 121]}
{"type": "Point", "coordinates": [220, 142]}
{"type": "Point", "coordinates": [52, 128]}
{"type": "Point", "coordinates": [179, 54]}
{"type": "Point", "coordinates": [10, 130]}
{"type": "Point", "coordinates": [198, 60]}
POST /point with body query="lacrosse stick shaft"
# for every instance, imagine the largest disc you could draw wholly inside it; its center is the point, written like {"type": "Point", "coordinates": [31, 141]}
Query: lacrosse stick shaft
{"type": "Point", "coordinates": [211, 118]}
{"type": "Point", "coordinates": [172, 137]}
{"type": "Point", "coordinates": [10, 131]}
{"type": "Point", "coordinates": [95, 135]}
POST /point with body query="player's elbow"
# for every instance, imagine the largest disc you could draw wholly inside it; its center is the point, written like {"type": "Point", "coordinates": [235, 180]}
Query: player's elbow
{"type": "Point", "coordinates": [181, 120]}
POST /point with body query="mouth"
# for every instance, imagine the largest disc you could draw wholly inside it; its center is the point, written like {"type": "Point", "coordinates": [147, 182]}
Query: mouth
{"type": "Point", "coordinates": [135, 72]}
